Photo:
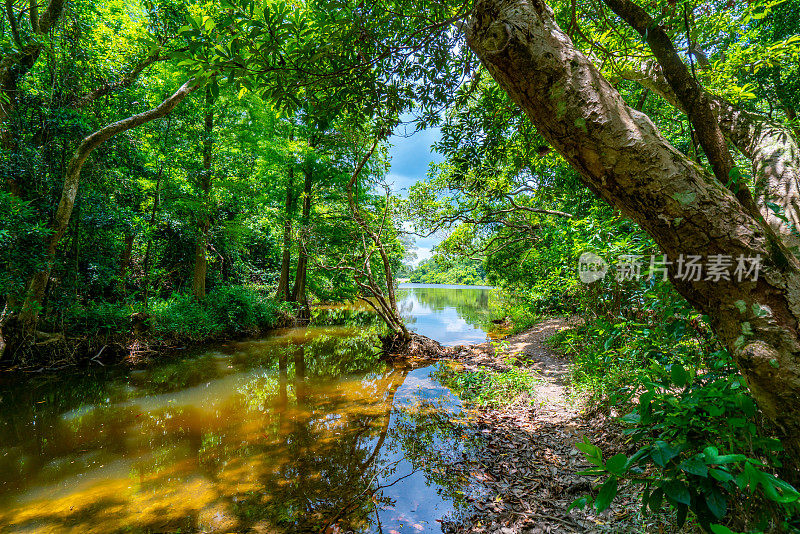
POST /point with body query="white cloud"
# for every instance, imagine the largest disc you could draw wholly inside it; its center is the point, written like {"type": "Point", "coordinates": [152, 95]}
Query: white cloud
{"type": "Point", "coordinates": [423, 254]}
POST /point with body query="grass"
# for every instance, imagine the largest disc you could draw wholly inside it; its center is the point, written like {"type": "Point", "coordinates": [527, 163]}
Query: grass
{"type": "Point", "coordinates": [487, 388]}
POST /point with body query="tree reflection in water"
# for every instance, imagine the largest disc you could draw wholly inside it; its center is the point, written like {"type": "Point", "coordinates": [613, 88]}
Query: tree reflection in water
{"type": "Point", "coordinates": [451, 316]}
{"type": "Point", "coordinates": [295, 433]}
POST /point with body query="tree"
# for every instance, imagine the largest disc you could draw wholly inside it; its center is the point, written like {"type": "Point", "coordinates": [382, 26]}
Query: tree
{"type": "Point", "coordinates": [15, 64]}
{"type": "Point", "coordinates": [206, 177]}
{"type": "Point", "coordinates": [283, 292]}
{"type": "Point", "coordinates": [623, 158]}
{"type": "Point", "coordinates": [38, 283]}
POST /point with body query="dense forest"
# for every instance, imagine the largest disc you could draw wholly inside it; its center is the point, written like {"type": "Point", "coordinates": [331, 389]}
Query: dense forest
{"type": "Point", "coordinates": [439, 270]}
{"type": "Point", "coordinates": [176, 172]}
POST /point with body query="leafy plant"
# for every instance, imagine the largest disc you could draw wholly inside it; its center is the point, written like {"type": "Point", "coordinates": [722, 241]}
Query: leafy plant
{"type": "Point", "coordinates": [700, 450]}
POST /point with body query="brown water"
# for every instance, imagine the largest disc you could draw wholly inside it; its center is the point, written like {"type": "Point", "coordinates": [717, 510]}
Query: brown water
{"type": "Point", "coordinates": [303, 431]}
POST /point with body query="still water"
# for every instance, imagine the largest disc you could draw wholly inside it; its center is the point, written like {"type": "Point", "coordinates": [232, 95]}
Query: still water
{"type": "Point", "coordinates": [302, 431]}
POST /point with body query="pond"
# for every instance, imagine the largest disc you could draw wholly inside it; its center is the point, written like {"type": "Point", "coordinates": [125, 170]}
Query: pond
{"type": "Point", "coordinates": [302, 431]}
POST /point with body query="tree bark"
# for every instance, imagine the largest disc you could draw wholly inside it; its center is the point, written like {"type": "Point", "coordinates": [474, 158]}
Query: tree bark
{"type": "Point", "coordinates": [689, 92]}
{"type": "Point", "coordinates": [200, 258]}
{"type": "Point", "coordinates": [38, 283]}
{"type": "Point", "coordinates": [623, 158]}
{"type": "Point", "coordinates": [771, 147]}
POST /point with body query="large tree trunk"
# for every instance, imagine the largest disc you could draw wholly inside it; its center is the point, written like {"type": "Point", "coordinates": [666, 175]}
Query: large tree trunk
{"type": "Point", "coordinates": [38, 283]}
{"type": "Point", "coordinates": [769, 145]}
{"type": "Point", "coordinates": [200, 258]}
{"type": "Point", "coordinates": [299, 290]}
{"type": "Point", "coordinates": [623, 158]}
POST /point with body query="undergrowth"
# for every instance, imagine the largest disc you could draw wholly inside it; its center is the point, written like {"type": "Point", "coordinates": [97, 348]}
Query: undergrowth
{"type": "Point", "coordinates": [226, 311]}
{"type": "Point", "coordinates": [488, 387]}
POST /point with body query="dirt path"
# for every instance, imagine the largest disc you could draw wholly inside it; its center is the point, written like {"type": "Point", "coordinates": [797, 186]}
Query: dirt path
{"type": "Point", "coordinates": [525, 474]}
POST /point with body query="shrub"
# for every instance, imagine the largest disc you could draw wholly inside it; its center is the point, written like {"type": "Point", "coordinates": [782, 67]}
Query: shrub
{"type": "Point", "coordinates": [97, 318]}
{"type": "Point", "coordinates": [232, 310]}
{"type": "Point", "coordinates": [701, 447]}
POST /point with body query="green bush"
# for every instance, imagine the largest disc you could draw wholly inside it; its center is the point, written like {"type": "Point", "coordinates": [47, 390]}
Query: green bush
{"type": "Point", "coordinates": [701, 446]}
{"type": "Point", "coordinates": [232, 310]}
{"type": "Point", "coordinates": [97, 318]}
{"type": "Point", "coordinates": [700, 449]}
{"type": "Point", "coordinates": [226, 311]}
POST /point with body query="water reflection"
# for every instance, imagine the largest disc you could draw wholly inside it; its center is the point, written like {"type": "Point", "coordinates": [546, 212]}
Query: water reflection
{"type": "Point", "coordinates": [305, 431]}
{"type": "Point", "coordinates": [452, 315]}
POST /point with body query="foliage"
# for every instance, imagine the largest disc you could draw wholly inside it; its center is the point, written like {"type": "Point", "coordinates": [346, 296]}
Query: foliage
{"type": "Point", "coordinates": [19, 230]}
{"type": "Point", "coordinates": [502, 195]}
{"type": "Point", "coordinates": [687, 403]}
{"type": "Point", "coordinates": [144, 216]}
{"type": "Point", "coordinates": [228, 311]}
{"type": "Point", "coordinates": [437, 270]}
{"type": "Point", "coordinates": [700, 450]}
{"type": "Point", "coordinates": [487, 387]}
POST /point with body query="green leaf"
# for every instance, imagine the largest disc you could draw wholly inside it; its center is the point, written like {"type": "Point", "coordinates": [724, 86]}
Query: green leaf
{"type": "Point", "coordinates": [722, 476]}
{"type": "Point", "coordinates": [713, 457]}
{"type": "Point", "coordinates": [721, 529]}
{"type": "Point", "coordinates": [695, 466]}
{"type": "Point", "coordinates": [679, 375]}
{"type": "Point", "coordinates": [592, 452]}
{"type": "Point", "coordinates": [662, 453]}
{"type": "Point", "coordinates": [617, 464]}
{"type": "Point", "coordinates": [680, 520]}
{"type": "Point", "coordinates": [677, 492]}
{"type": "Point", "coordinates": [606, 494]}
{"type": "Point", "coordinates": [631, 418]}
{"type": "Point", "coordinates": [656, 499]}
{"type": "Point", "coordinates": [579, 503]}
{"type": "Point", "coordinates": [644, 403]}
{"type": "Point", "coordinates": [717, 503]}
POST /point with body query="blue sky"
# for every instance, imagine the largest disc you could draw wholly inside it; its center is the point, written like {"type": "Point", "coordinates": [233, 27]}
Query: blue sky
{"type": "Point", "coordinates": [411, 157]}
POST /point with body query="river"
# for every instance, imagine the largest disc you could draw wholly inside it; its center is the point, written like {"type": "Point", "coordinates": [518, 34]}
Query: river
{"type": "Point", "coordinates": [305, 430]}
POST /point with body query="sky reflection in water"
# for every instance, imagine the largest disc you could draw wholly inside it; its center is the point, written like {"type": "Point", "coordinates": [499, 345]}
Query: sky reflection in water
{"type": "Point", "coordinates": [290, 433]}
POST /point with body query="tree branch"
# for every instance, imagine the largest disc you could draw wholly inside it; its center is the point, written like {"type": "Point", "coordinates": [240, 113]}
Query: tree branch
{"type": "Point", "coordinates": [50, 16]}
{"type": "Point", "coordinates": [689, 92]}
{"type": "Point", "coordinates": [33, 13]}
{"type": "Point", "coordinates": [769, 145]}
{"type": "Point", "coordinates": [109, 87]}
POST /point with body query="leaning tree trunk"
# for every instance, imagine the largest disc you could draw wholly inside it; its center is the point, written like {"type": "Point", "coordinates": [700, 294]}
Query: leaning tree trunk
{"type": "Point", "coordinates": [383, 302]}
{"type": "Point", "coordinates": [200, 258]}
{"type": "Point", "coordinates": [38, 283]}
{"type": "Point", "coordinates": [623, 158]}
{"type": "Point", "coordinates": [770, 146]}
